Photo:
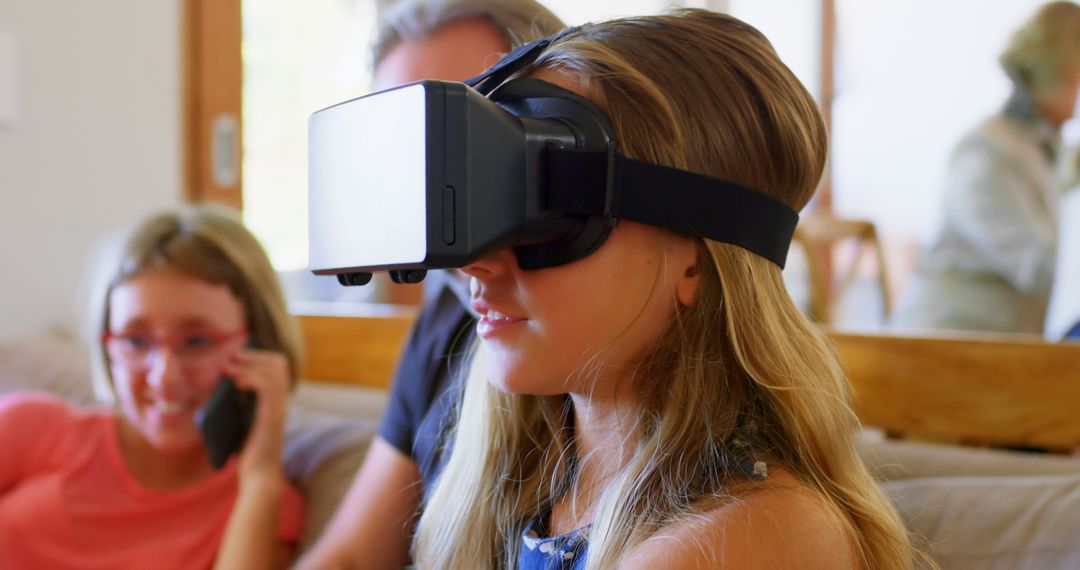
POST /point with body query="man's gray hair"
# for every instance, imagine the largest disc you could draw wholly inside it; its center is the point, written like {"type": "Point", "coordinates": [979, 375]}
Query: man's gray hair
{"type": "Point", "coordinates": [520, 21]}
{"type": "Point", "coordinates": [1046, 49]}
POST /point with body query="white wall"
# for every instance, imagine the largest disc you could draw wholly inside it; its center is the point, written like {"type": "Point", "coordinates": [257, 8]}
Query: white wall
{"type": "Point", "coordinates": [95, 145]}
{"type": "Point", "coordinates": [912, 78]}
{"type": "Point", "coordinates": [793, 28]}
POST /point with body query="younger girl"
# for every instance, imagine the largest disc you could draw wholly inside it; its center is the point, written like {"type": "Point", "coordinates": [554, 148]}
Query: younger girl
{"type": "Point", "coordinates": [662, 403]}
{"type": "Point", "coordinates": [133, 487]}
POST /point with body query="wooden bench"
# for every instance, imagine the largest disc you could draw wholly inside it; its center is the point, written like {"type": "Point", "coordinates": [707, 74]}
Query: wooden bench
{"type": "Point", "coordinates": [359, 348]}
{"type": "Point", "coordinates": [989, 390]}
{"type": "Point", "coordinates": [993, 390]}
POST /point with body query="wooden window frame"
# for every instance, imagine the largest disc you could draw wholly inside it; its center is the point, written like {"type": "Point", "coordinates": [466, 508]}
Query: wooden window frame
{"type": "Point", "coordinates": [212, 71]}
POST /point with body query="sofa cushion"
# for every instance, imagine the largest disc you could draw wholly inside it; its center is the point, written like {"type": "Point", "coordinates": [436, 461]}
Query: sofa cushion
{"type": "Point", "coordinates": [322, 453]}
{"type": "Point", "coordinates": [1013, 523]}
{"type": "Point", "coordinates": [51, 363]}
{"type": "Point", "coordinates": [891, 459]}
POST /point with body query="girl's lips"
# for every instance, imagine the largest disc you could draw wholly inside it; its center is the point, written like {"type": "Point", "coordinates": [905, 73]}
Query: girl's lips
{"type": "Point", "coordinates": [170, 418]}
{"type": "Point", "coordinates": [487, 328]}
{"type": "Point", "coordinates": [492, 321]}
{"type": "Point", "coordinates": [170, 411]}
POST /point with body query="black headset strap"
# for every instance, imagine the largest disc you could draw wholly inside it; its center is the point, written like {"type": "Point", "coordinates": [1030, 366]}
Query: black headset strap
{"type": "Point", "coordinates": [669, 198]}
{"type": "Point", "coordinates": [521, 57]}
{"type": "Point", "coordinates": [642, 192]}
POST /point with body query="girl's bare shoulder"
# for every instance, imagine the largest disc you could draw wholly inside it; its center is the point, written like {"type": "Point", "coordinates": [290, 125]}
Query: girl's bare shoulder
{"type": "Point", "coordinates": [782, 524]}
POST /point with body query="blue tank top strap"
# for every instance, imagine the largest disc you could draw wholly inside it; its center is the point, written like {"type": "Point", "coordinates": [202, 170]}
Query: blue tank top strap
{"type": "Point", "coordinates": [563, 552]}
{"type": "Point", "coordinates": [741, 456]}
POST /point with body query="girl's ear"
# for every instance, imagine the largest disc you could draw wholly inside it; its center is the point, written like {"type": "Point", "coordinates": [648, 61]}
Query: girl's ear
{"type": "Point", "coordinates": [686, 256]}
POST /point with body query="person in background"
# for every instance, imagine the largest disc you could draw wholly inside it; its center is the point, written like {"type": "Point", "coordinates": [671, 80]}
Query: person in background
{"type": "Point", "coordinates": [188, 294]}
{"type": "Point", "coordinates": [991, 264]}
{"type": "Point", "coordinates": [421, 39]}
{"type": "Point", "coordinates": [661, 402]}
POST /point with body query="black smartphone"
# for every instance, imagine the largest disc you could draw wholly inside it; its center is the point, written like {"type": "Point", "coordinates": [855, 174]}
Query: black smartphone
{"type": "Point", "coordinates": [225, 420]}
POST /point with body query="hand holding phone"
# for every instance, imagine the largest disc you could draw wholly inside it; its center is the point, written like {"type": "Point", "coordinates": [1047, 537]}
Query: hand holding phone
{"type": "Point", "coordinates": [225, 421]}
{"type": "Point", "coordinates": [246, 412]}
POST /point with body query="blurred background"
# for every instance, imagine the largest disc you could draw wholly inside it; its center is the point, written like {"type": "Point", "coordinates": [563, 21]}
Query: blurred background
{"type": "Point", "coordinates": [112, 109]}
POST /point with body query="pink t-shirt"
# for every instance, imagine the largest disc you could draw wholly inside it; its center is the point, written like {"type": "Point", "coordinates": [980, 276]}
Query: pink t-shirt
{"type": "Point", "coordinates": [68, 501]}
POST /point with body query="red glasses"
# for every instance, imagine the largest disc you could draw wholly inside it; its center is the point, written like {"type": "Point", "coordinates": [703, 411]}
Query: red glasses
{"type": "Point", "coordinates": [195, 350]}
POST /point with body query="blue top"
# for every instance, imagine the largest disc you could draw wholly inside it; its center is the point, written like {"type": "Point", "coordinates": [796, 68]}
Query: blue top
{"type": "Point", "coordinates": [569, 551]}
{"type": "Point", "coordinates": [563, 552]}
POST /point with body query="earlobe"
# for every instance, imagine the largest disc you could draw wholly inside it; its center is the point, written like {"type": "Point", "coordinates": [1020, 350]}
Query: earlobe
{"type": "Point", "coordinates": [686, 289]}
{"type": "Point", "coordinates": [687, 284]}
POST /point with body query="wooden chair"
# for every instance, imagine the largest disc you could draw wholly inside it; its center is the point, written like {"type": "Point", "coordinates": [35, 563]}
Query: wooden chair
{"type": "Point", "coordinates": [820, 235]}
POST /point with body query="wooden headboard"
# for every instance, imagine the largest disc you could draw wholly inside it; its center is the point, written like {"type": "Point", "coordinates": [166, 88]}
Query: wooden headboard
{"type": "Point", "coordinates": [1014, 391]}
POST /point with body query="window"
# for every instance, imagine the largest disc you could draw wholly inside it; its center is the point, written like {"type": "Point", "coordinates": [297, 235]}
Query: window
{"type": "Point", "coordinates": [298, 57]}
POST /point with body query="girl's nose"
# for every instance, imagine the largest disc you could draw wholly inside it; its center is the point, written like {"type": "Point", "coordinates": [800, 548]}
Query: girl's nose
{"type": "Point", "coordinates": [166, 371]}
{"type": "Point", "coordinates": [492, 264]}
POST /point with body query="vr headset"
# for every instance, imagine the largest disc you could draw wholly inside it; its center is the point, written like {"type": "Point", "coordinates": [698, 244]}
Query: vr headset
{"type": "Point", "coordinates": [435, 174]}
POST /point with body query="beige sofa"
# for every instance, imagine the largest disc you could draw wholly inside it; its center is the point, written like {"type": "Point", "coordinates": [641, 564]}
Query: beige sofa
{"type": "Point", "coordinates": [976, 509]}
{"type": "Point", "coordinates": [981, 509]}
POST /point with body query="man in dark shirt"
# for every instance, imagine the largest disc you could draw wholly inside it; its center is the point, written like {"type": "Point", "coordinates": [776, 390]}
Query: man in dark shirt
{"type": "Point", "coordinates": [428, 380]}
{"type": "Point", "coordinates": [420, 39]}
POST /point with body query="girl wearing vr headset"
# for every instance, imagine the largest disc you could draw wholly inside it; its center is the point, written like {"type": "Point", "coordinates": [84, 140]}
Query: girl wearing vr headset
{"type": "Point", "coordinates": [187, 295]}
{"type": "Point", "coordinates": [662, 402]}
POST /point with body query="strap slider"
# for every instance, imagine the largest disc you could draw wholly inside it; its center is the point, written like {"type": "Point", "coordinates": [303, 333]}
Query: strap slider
{"type": "Point", "coordinates": [612, 169]}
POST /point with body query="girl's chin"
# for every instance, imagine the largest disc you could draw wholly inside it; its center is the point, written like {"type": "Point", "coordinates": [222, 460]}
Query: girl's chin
{"type": "Point", "coordinates": [525, 386]}
{"type": "Point", "coordinates": [516, 372]}
{"type": "Point", "coordinates": [507, 388]}
{"type": "Point", "coordinates": [172, 440]}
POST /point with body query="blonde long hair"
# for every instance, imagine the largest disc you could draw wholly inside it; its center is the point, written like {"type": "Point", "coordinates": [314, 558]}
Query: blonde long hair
{"type": "Point", "coordinates": [705, 92]}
